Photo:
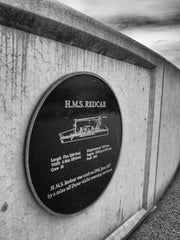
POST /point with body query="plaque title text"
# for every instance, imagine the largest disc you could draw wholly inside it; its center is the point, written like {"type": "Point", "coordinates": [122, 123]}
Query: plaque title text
{"type": "Point", "coordinates": [84, 104]}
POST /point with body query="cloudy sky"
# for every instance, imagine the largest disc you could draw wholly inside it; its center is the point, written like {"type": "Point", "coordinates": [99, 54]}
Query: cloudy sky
{"type": "Point", "coordinates": [154, 23]}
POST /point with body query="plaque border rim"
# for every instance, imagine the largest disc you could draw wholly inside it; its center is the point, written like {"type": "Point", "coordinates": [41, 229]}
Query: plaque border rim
{"type": "Point", "coordinates": [29, 129]}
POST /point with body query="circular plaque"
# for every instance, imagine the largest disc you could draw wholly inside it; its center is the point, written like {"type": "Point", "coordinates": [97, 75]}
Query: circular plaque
{"type": "Point", "coordinates": [73, 143]}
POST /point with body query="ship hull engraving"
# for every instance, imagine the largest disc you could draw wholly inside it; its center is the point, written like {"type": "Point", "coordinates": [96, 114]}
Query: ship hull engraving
{"type": "Point", "coordinates": [83, 129]}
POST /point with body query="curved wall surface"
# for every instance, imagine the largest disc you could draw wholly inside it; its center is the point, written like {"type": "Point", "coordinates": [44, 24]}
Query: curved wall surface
{"type": "Point", "coordinates": [42, 41]}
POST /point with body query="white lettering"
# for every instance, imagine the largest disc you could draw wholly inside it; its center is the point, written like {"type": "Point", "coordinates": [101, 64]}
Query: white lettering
{"type": "Point", "coordinates": [85, 104]}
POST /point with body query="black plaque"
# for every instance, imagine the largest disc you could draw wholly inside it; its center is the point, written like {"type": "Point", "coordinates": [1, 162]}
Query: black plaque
{"type": "Point", "coordinates": [73, 143]}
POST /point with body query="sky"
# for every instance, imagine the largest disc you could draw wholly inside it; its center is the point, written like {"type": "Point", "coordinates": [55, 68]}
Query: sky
{"type": "Point", "coordinates": [154, 23]}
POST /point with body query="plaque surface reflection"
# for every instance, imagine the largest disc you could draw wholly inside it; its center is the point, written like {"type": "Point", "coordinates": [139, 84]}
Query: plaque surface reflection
{"type": "Point", "coordinates": [73, 143]}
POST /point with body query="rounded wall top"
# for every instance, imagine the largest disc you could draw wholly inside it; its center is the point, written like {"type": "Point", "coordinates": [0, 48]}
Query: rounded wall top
{"type": "Point", "coordinates": [57, 12]}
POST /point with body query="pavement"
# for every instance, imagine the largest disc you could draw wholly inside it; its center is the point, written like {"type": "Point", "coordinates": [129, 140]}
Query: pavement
{"type": "Point", "coordinates": [164, 222]}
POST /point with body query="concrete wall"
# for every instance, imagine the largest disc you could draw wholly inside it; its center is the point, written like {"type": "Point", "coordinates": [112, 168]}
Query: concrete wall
{"type": "Point", "coordinates": [32, 57]}
{"type": "Point", "coordinates": [169, 143]}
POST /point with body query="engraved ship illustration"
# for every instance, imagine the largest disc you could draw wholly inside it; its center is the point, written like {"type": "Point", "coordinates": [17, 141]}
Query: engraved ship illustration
{"type": "Point", "coordinates": [85, 128]}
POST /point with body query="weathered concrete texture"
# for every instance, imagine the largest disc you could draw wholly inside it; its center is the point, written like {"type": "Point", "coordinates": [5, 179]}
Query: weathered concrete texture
{"type": "Point", "coordinates": [55, 11]}
{"type": "Point", "coordinates": [150, 165]}
{"type": "Point", "coordinates": [169, 143]}
{"type": "Point", "coordinates": [29, 65]}
{"type": "Point", "coordinates": [148, 95]}
{"type": "Point", "coordinates": [48, 28]}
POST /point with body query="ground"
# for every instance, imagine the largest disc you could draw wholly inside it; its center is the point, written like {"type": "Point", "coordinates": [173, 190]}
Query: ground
{"type": "Point", "coordinates": [164, 222]}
